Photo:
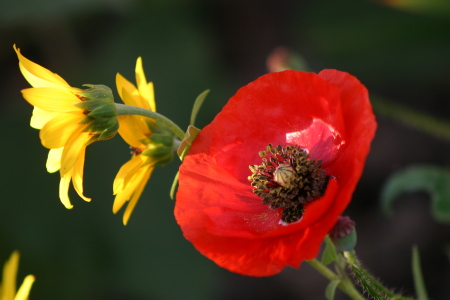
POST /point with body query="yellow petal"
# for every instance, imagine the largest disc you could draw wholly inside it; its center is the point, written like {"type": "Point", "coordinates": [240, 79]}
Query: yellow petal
{"type": "Point", "coordinates": [121, 198]}
{"type": "Point", "coordinates": [131, 98]}
{"type": "Point", "coordinates": [145, 90]}
{"type": "Point", "coordinates": [24, 290]}
{"type": "Point", "coordinates": [37, 75]}
{"type": "Point", "coordinates": [139, 121]}
{"type": "Point", "coordinates": [75, 146]}
{"type": "Point", "coordinates": [129, 188]}
{"type": "Point", "coordinates": [151, 101]}
{"type": "Point", "coordinates": [129, 94]}
{"type": "Point", "coordinates": [54, 160]}
{"type": "Point", "coordinates": [126, 172]}
{"type": "Point", "coordinates": [58, 130]}
{"type": "Point", "coordinates": [41, 117]}
{"type": "Point", "coordinates": [123, 84]}
{"type": "Point", "coordinates": [9, 277]}
{"type": "Point", "coordinates": [64, 190]}
{"type": "Point", "coordinates": [142, 179]}
{"type": "Point", "coordinates": [52, 99]}
{"type": "Point", "coordinates": [77, 176]}
{"type": "Point", "coordinates": [129, 132]}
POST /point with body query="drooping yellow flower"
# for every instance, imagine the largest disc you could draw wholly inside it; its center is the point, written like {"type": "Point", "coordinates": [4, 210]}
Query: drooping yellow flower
{"type": "Point", "coordinates": [151, 143]}
{"type": "Point", "coordinates": [69, 120]}
{"type": "Point", "coordinates": [8, 285]}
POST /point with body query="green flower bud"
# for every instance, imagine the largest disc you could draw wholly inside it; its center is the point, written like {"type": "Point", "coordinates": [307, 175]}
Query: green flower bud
{"type": "Point", "coordinates": [343, 234]}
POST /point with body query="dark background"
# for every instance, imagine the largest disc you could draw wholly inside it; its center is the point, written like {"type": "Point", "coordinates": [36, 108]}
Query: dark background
{"type": "Point", "coordinates": [187, 47]}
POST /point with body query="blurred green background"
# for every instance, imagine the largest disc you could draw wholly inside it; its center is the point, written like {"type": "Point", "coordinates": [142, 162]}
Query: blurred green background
{"type": "Point", "coordinates": [399, 53]}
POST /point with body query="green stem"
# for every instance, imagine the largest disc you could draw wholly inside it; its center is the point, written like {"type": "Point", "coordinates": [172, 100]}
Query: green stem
{"type": "Point", "coordinates": [123, 109]}
{"type": "Point", "coordinates": [418, 120]}
{"type": "Point", "coordinates": [369, 283]}
{"type": "Point", "coordinates": [345, 284]}
{"type": "Point", "coordinates": [419, 283]}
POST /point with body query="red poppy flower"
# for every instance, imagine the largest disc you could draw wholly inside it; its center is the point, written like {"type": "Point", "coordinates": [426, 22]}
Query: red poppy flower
{"type": "Point", "coordinates": [265, 181]}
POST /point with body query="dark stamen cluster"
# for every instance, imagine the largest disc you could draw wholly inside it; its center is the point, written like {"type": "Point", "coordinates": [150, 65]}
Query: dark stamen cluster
{"type": "Point", "coordinates": [288, 178]}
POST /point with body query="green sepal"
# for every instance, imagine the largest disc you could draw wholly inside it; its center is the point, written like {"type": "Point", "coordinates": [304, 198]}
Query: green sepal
{"type": "Point", "coordinates": [105, 111]}
{"type": "Point", "coordinates": [87, 120]}
{"type": "Point", "coordinates": [186, 143]}
{"type": "Point", "coordinates": [432, 179]}
{"type": "Point", "coordinates": [99, 125]}
{"type": "Point", "coordinates": [98, 92]}
{"type": "Point", "coordinates": [158, 151]}
{"type": "Point", "coordinates": [165, 139]}
{"type": "Point", "coordinates": [329, 253]}
{"type": "Point", "coordinates": [90, 105]}
{"type": "Point", "coordinates": [346, 243]}
{"type": "Point", "coordinates": [183, 150]}
{"type": "Point", "coordinates": [331, 289]}
{"type": "Point", "coordinates": [103, 128]}
{"type": "Point", "coordinates": [109, 132]}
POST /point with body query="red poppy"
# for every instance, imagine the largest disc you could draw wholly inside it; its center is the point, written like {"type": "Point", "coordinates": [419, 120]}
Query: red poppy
{"type": "Point", "coordinates": [247, 210]}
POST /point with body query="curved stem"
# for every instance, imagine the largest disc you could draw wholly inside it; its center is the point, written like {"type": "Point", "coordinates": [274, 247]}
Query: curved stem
{"type": "Point", "coordinates": [345, 284]}
{"type": "Point", "coordinates": [123, 109]}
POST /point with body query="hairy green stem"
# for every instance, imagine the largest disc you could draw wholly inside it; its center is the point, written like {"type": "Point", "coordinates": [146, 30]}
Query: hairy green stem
{"type": "Point", "coordinates": [369, 283]}
{"type": "Point", "coordinates": [345, 284]}
{"type": "Point", "coordinates": [123, 109]}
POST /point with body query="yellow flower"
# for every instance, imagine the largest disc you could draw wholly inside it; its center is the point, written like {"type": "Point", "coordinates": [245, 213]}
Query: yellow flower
{"type": "Point", "coordinates": [68, 121]}
{"type": "Point", "coordinates": [8, 286]}
{"type": "Point", "coordinates": [151, 143]}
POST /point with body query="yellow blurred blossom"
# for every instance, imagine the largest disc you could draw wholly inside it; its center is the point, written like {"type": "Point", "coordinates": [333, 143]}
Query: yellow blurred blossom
{"type": "Point", "coordinates": [8, 285]}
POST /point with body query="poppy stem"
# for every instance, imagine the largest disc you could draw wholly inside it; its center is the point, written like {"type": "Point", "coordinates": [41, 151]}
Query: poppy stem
{"type": "Point", "coordinates": [344, 285]}
{"type": "Point", "coordinates": [123, 109]}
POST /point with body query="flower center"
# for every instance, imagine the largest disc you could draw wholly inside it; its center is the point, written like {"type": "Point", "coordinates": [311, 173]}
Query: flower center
{"type": "Point", "coordinates": [288, 178]}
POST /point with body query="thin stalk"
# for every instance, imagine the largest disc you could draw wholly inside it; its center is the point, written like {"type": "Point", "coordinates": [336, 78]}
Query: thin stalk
{"type": "Point", "coordinates": [415, 119]}
{"type": "Point", "coordinates": [345, 284]}
{"type": "Point", "coordinates": [123, 109]}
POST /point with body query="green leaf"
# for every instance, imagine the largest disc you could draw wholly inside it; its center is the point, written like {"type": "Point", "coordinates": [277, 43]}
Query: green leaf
{"type": "Point", "coordinates": [197, 104]}
{"type": "Point", "coordinates": [331, 289]}
{"type": "Point", "coordinates": [329, 254]}
{"type": "Point", "coordinates": [434, 180]}
{"type": "Point", "coordinates": [417, 275]}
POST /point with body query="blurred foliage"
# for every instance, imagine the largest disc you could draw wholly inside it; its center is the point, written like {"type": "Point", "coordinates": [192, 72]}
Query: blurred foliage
{"type": "Point", "coordinates": [431, 179]}
{"type": "Point", "coordinates": [432, 7]}
{"type": "Point", "coordinates": [187, 47]}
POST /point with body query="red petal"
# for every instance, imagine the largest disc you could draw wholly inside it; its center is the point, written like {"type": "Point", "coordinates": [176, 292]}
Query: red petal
{"type": "Point", "coordinates": [329, 114]}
